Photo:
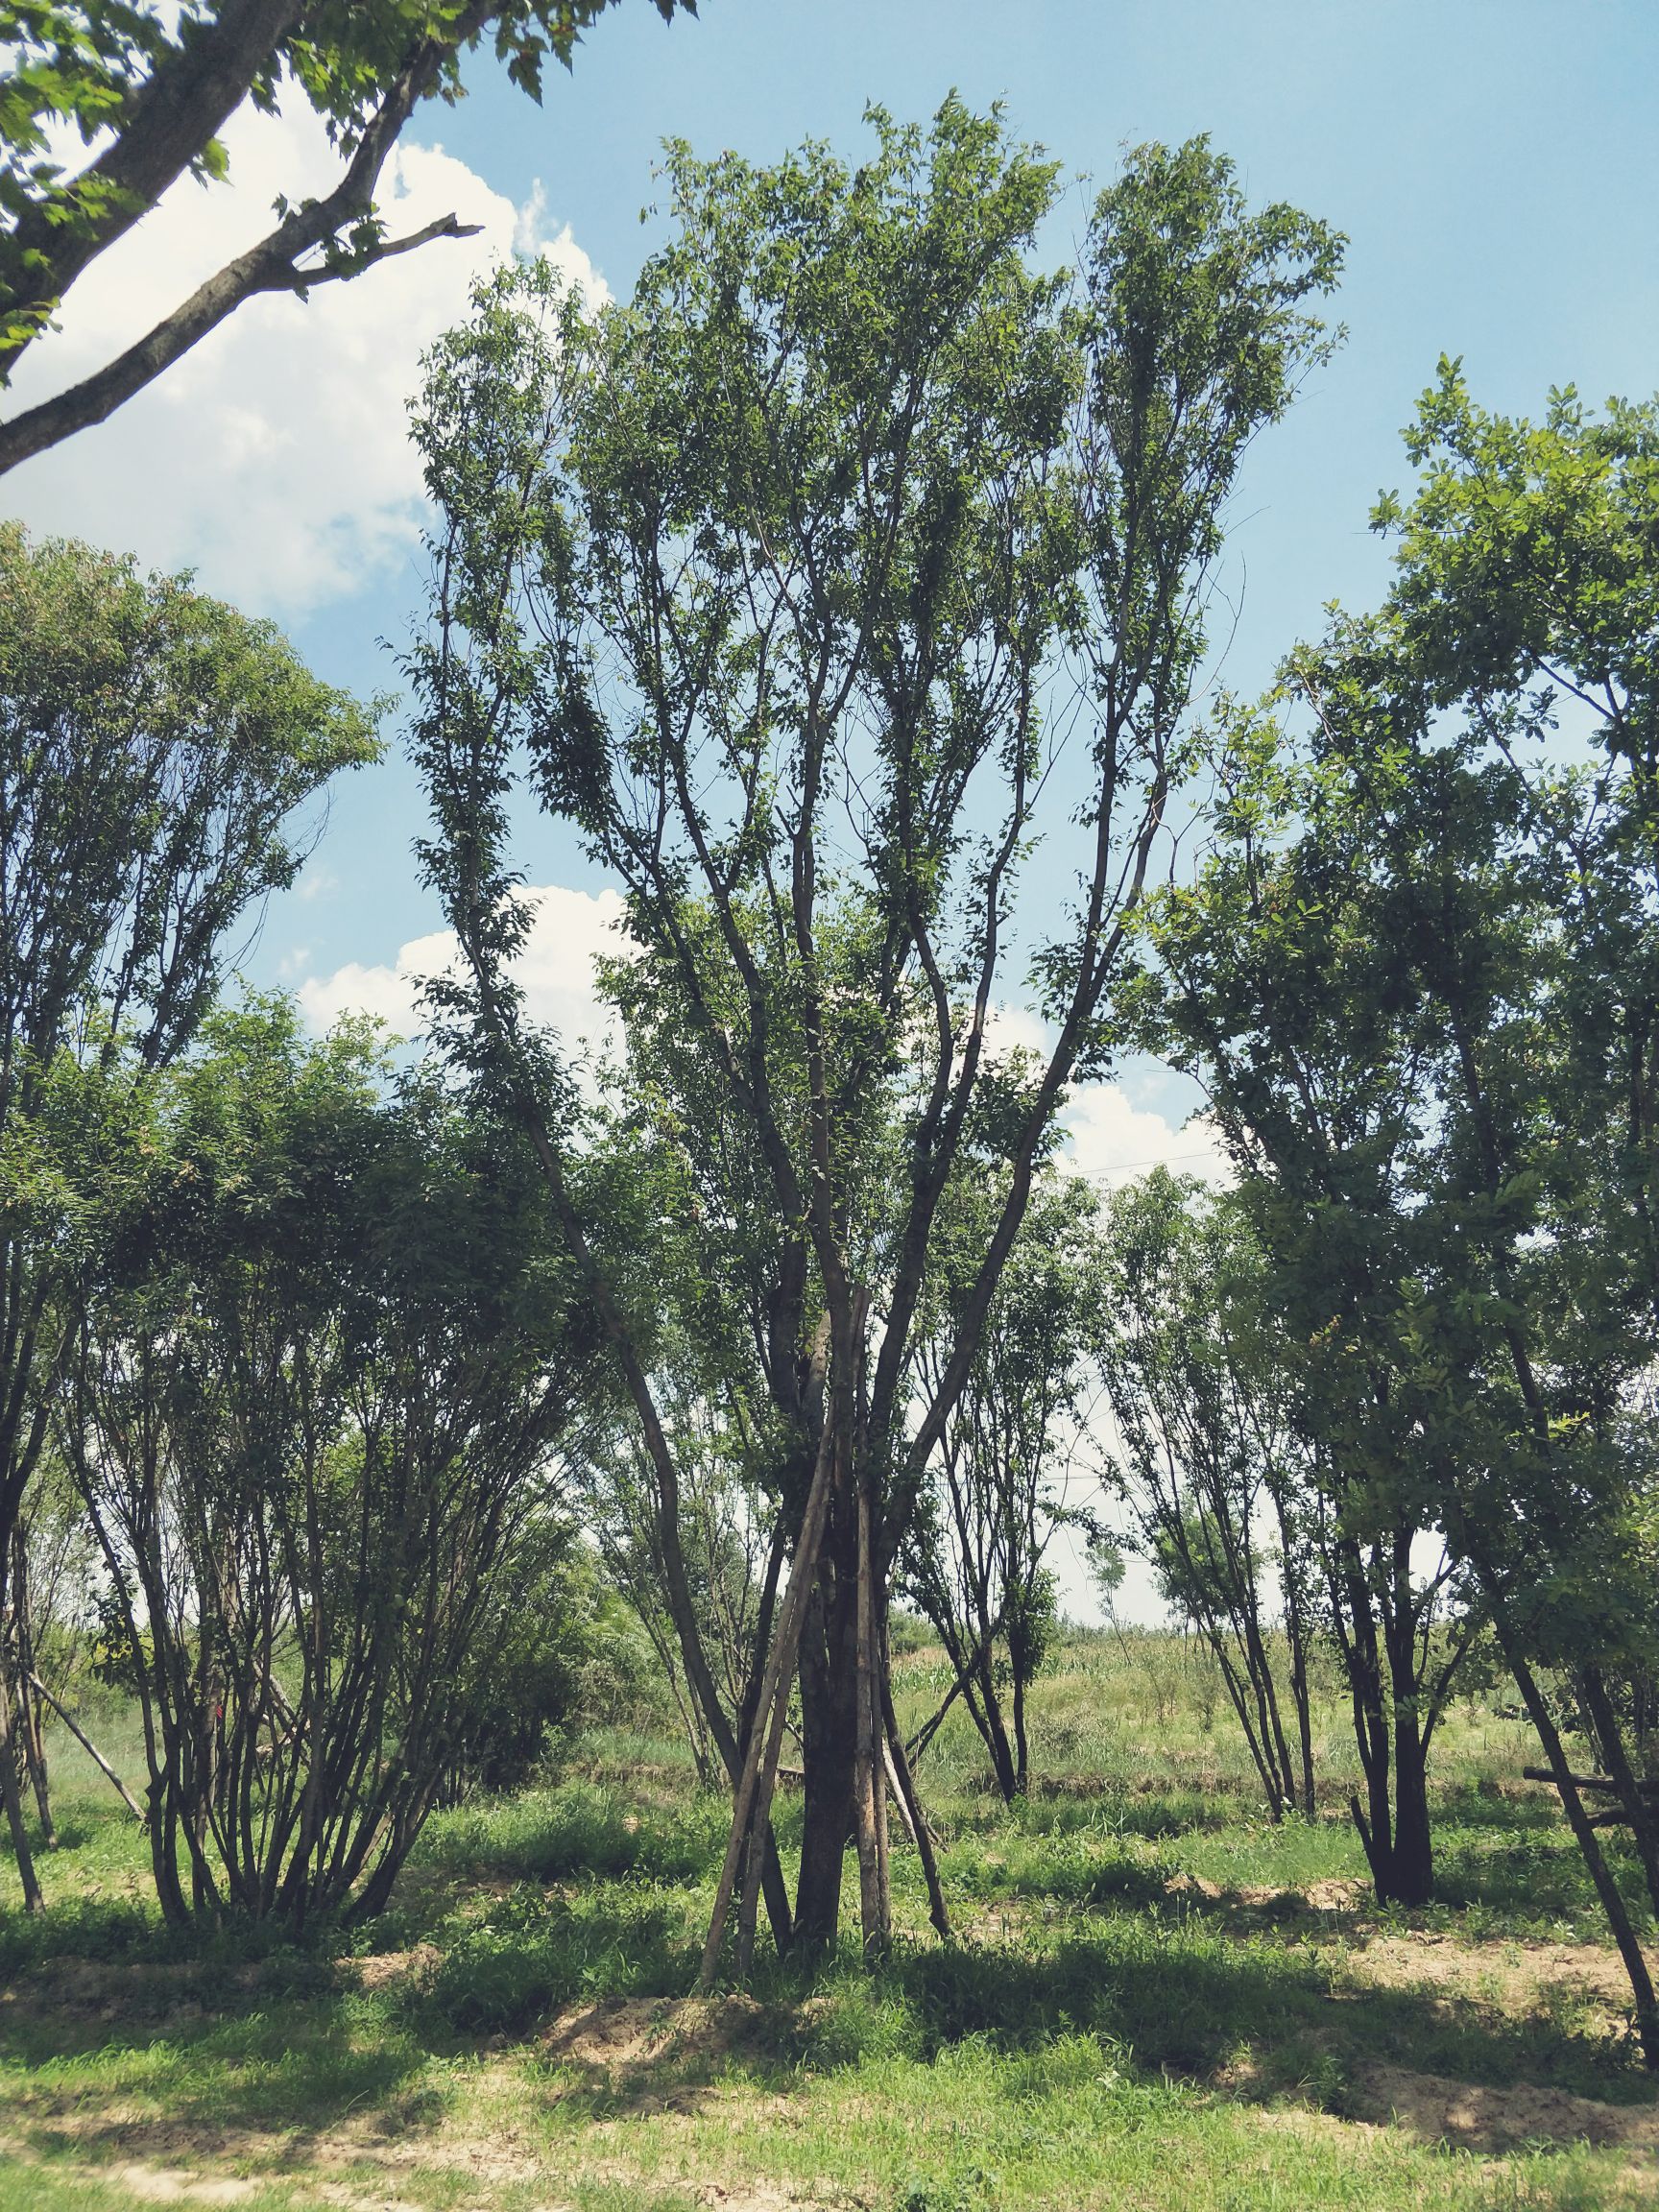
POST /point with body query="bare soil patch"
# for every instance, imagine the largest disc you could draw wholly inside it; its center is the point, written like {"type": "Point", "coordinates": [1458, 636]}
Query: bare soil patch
{"type": "Point", "coordinates": [1475, 2117]}
{"type": "Point", "coordinates": [174, 2184]}
{"type": "Point", "coordinates": [653, 2053]}
{"type": "Point", "coordinates": [1513, 1974]}
{"type": "Point", "coordinates": [385, 1969]}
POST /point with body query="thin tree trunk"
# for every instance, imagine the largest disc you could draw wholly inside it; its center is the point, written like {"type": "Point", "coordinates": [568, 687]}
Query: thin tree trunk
{"type": "Point", "coordinates": [1300, 1692]}
{"type": "Point", "coordinates": [870, 1792]}
{"type": "Point", "coordinates": [33, 1900]}
{"type": "Point", "coordinates": [828, 1739]}
{"type": "Point", "coordinates": [906, 1780]}
{"type": "Point", "coordinates": [986, 1712]}
{"type": "Point", "coordinates": [92, 1753]}
{"type": "Point", "coordinates": [28, 1729]}
{"type": "Point", "coordinates": [35, 1759]}
{"type": "Point", "coordinates": [765, 1736]}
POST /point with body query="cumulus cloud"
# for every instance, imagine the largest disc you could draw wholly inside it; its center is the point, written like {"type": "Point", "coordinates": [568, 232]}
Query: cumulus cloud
{"type": "Point", "coordinates": [275, 457]}
{"type": "Point", "coordinates": [1111, 1139]}
{"type": "Point", "coordinates": [569, 932]}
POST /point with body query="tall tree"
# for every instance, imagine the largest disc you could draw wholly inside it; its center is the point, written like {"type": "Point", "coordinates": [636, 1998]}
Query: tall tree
{"type": "Point", "coordinates": [996, 1489]}
{"type": "Point", "coordinates": [799, 585]}
{"type": "Point", "coordinates": [1216, 1476]}
{"type": "Point", "coordinates": [148, 89]}
{"type": "Point", "coordinates": [319, 1380]}
{"type": "Point", "coordinates": [1294, 990]}
{"type": "Point", "coordinates": [1418, 976]}
{"type": "Point", "coordinates": [154, 747]}
{"type": "Point", "coordinates": [1525, 609]}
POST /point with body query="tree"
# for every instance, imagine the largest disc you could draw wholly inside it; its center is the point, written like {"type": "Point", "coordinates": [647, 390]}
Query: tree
{"type": "Point", "coordinates": [1524, 608]}
{"type": "Point", "coordinates": [1216, 1476]}
{"type": "Point", "coordinates": [148, 89]}
{"type": "Point", "coordinates": [975, 1563]}
{"type": "Point", "coordinates": [50, 1585]}
{"type": "Point", "coordinates": [1293, 992]}
{"type": "Point", "coordinates": [1418, 974]}
{"type": "Point", "coordinates": [313, 1413]}
{"type": "Point", "coordinates": [154, 747]}
{"type": "Point", "coordinates": [801, 582]}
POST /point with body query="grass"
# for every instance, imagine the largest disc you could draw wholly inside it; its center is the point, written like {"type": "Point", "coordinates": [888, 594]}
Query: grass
{"type": "Point", "coordinates": [1157, 1998]}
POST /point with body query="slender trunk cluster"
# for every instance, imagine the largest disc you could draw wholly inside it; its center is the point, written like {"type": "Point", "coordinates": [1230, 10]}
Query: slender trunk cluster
{"type": "Point", "coordinates": [800, 672]}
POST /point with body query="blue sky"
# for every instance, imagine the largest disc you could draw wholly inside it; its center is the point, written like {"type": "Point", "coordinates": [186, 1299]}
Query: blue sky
{"type": "Point", "coordinates": [1494, 163]}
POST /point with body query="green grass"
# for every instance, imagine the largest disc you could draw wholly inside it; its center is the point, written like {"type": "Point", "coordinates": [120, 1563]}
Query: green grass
{"type": "Point", "coordinates": [1144, 2007]}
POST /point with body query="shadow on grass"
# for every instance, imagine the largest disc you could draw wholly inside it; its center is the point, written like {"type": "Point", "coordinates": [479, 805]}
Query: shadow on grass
{"type": "Point", "coordinates": [107, 2013]}
{"type": "Point", "coordinates": [289, 2045]}
{"type": "Point", "coordinates": [1531, 1874]}
{"type": "Point", "coordinates": [1174, 1998]}
{"type": "Point", "coordinates": [197, 2073]}
{"type": "Point", "coordinates": [1187, 1997]}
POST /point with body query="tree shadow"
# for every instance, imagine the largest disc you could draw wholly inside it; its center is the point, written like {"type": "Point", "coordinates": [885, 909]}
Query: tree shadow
{"type": "Point", "coordinates": [1254, 2021]}
{"type": "Point", "coordinates": [220, 2032]}
{"type": "Point", "coordinates": [285, 2044]}
{"type": "Point", "coordinates": [283, 2074]}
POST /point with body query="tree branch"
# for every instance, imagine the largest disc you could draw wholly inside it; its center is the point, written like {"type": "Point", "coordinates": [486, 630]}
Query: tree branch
{"type": "Point", "coordinates": [272, 265]}
{"type": "Point", "coordinates": [191, 95]}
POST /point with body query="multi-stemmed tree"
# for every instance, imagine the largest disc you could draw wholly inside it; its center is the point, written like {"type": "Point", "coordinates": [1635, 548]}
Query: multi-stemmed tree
{"type": "Point", "coordinates": [155, 746]}
{"type": "Point", "coordinates": [1206, 1458]}
{"type": "Point", "coordinates": [1417, 977]}
{"type": "Point", "coordinates": [813, 587]}
{"type": "Point", "coordinates": [319, 1380]}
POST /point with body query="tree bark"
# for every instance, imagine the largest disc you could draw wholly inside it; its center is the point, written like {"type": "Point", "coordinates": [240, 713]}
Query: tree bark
{"type": "Point", "coordinates": [828, 1737]}
{"type": "Point", "coordinates": [190, 96]}
{"type": "Point", "coordinates": [33, 1900]}
{"type": "Point", "coordinates": [1411, 1877]}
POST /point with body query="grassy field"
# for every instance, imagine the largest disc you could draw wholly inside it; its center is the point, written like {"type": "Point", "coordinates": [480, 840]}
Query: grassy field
{"type": "Point", "coordinates": [1155, 2000]}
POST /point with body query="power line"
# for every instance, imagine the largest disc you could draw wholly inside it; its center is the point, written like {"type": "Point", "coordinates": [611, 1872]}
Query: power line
{"type": "Point", "coordinates": [1130, 1166]}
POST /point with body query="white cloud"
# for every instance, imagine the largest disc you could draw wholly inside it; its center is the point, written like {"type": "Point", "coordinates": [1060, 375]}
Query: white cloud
{"type": "Point", "coordinates": [1112, 1139]}
{"type": "Point", "coordinates": [1108, 1137]}
{"type": "Point", "coordinates": [569, 932]}
{"type": "Point", "coordinates": [1010, 1028]}
{"type": "Point", "coordinates": [274, 457]}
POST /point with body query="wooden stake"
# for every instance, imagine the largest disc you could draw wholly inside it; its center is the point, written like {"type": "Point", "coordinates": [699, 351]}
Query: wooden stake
{"type": "Point", "coordinates": [775, 1684]}
{"type": "Point", "coordinates": [92, 1751]}
{"type": "Point", "coordinates": [892, 1773]}
{"type": "Point", "coordinates": [869, 1793]}
{"type": "Point", "coordinates": [748, 1911]}
{"type": "Point", "coordinates": [915, 1819]}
